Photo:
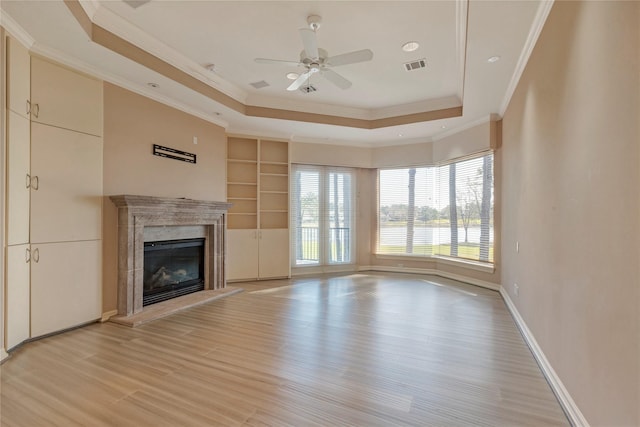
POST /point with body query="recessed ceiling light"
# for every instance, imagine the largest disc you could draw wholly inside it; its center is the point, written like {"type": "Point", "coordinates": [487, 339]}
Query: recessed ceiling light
{"type": "Point", "coordinates": [292, 76]}
{"type": "Point", "coordinates": [443, 127]}
{"type": "Point", "coordinates": [493, 59]}
{"type": "Point", "coordinates": [410, 46]}
{"type": "Point", "coordinates": [153, 85]}
{"type": "Point", "coordinates": [400, 134]}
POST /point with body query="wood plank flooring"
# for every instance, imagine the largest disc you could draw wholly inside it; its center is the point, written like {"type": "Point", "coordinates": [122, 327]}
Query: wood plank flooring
{"type": "Point", "coordinates": [354, 350]}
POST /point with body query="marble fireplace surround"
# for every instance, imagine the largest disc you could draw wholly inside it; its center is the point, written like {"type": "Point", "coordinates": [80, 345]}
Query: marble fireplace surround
{"type": "Point", "coordinates": [165, 216]}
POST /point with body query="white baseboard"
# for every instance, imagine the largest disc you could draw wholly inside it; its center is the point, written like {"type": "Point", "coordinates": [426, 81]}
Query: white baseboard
{"type": "Point", "coordinates": [108, 315]}
{"type": "Point", "coordinates": [306, 271]}
{"type": "Point", "coordinates": [430, 271]}
{"type": "Point", "coordinates": [570, 408]}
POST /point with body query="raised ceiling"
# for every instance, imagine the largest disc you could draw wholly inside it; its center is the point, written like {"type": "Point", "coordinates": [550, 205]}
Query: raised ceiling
{"type": "Point", "coordinates": [386, 105]}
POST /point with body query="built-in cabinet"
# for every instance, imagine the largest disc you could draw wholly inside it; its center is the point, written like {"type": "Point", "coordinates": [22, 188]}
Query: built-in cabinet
{"type": "Point", "coordinates": [258, 221]}
{"type": "Point", "coordinates": [54, 197]}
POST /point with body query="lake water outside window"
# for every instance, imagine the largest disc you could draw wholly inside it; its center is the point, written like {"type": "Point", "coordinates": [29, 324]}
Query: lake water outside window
{"type": "Point", "coordinates": [444, 210]}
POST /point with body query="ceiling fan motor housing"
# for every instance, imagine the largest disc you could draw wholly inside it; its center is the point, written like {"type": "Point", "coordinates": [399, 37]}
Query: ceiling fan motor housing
{"type": "Point", "coordinates": [314, 22]}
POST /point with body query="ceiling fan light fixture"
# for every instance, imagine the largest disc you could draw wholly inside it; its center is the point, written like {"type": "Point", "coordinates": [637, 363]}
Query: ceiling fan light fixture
{"type": "Point", "coordinates": [410, 46]}
{"type": "Point", "coordinates": [292, 76]}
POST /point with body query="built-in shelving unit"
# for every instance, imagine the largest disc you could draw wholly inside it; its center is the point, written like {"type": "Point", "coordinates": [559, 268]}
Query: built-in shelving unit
{"type": "Point", "coordinates": [242, 183]}
{"type": "Point", "coordinates": [258, 221]}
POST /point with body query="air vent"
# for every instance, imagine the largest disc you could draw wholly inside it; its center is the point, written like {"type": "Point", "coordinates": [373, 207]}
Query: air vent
{"type": "Point", "coordinates": [308, 89]}
{"type": "Point", "coordinates": [260, 84]}
{"type": "Point", "coordinates": [415, 65]}
{"type": "Point", "coordinates": [136, 3]}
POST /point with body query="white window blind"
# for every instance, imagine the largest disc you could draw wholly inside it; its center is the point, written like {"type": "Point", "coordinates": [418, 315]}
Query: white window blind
{"type": "Point", "coordinates": [442, 210]}
{"type": "Point", "coordinates": [322, 215]}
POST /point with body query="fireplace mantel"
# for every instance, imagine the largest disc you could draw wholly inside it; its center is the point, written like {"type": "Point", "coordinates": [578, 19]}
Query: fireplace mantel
{"type": "Point", "coordinates": [137, 212]}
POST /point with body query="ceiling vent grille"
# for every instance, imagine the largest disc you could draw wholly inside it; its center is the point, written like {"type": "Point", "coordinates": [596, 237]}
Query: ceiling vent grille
{"type": "Point", "coordinates": [415, 65]}
{"type": "Point", "coordinates": [136, 3]}
{"type": "Point", "coordinates": [260, 84]}
{"type": "Point", "coordinates": [308, 89]}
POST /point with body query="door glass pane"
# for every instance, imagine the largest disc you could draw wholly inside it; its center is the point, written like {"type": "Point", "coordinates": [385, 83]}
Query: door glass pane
{"type": "Point", "coordinates": [306, 212]}
{"type": "Point", "coordinates": [339, 217]}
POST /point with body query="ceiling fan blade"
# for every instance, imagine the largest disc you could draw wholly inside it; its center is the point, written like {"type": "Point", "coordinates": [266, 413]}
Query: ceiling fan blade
{"type": "Point", "coordinates": [275, 61]}
{"type": "Point", "coordinates": [336, 79]}
{"type": "Point", "coordinates": [301, 80]}
{"type": "Point", "coordinates": [310, 42]}
{"type": "Point", "coordinates": [351, 57]}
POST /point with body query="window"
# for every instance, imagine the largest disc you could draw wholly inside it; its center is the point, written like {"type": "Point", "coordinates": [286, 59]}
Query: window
{"type": "Point", "coordinates": [322, 219]}
{"type": "Point", "coordinates": [444, 210]}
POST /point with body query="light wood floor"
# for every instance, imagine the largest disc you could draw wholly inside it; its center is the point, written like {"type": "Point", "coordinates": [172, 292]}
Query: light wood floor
{"type": "Point", "coordinates": [362, 350]}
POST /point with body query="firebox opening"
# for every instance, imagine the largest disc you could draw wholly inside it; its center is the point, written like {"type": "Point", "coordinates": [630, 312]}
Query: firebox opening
{"type": "Point", "coordinates": [172, 268]}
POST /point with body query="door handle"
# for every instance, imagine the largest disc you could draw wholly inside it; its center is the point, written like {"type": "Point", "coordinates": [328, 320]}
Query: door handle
{"type": "Point", "coordinates": [36, 110]}
{"type": "Point", "coordinates": [28, 107]}
{"type": "Point", "coordinates": [28, 181]}
{"type": "Point", "coordinates": [35, 182]}
{"type": "Point", "coordinates": [36, 255]}
{"type": "Point", "coordinates": [27, 255]}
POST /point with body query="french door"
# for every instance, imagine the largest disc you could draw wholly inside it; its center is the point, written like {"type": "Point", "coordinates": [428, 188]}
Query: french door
{"type": "Point", "coordinates": [322, 215]}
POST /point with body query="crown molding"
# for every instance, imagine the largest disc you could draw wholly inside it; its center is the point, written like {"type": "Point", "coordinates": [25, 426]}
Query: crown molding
{"type": "Point", "coordinates": [15, 30]}
{"type": "Point", "coordinates": [113, 23]}
{"type": "Point", "coordinates": [462, 25]}
{"type": "Point", "coordinates": [57, 56]}
{"type": "Point", "coordinates": [463, 127]}
{"type": "Point", "coordinates": [536, 28]}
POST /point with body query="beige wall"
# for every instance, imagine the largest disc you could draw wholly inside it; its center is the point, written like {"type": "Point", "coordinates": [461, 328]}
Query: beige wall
{"type": "Point", "coordinates": [330, 155]}
{"type": "Point", "coordinates": [571, 199]}
{"type": "Point", "coordinates": [2, 184]}
{"type": "Point", "coordinates": [133, 123]}
{"type": "Point", "coordinates": [469, 141]}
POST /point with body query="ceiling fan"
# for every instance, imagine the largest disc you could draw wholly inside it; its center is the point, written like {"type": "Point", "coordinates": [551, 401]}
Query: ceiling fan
{"type": "Point", "coordinates": [316, 60]}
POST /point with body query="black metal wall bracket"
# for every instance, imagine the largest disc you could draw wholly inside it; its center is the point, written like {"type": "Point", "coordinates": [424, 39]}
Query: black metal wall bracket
{"type": "Point", "coordinates": [172, 153]}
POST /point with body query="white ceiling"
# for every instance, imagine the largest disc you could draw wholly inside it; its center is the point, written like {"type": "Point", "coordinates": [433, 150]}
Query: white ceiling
{"type": "Point", "coordinates": [456, 38]}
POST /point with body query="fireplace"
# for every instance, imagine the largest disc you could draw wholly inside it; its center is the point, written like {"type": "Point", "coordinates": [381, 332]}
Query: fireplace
{"type": "Point", "coordinates": [172, 268]}
{"type": "Point", "coordinates": [144, 221]}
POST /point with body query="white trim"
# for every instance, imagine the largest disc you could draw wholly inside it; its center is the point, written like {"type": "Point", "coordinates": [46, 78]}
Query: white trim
{"type": "Point", "coordinates": [107, 315]}
{"type": "Point", "coordinates": [536, 28]}
{"type": "Point", "coordinates": [136, 36]}
{"type": "Point", "coordinates": [570, 408]}
{"type": "Point", "coordinates": [462, 21]}
{"type": "Point", "coordinates": [482, 120]}
{"type": "Point", "coordinates": [433, 272]}
{"type": "Point", "coordinates": [15, 30]}
{"type": "Point", "coordinates": [55, 55]}
{"type": "Point", "coordinates": [462, 263]}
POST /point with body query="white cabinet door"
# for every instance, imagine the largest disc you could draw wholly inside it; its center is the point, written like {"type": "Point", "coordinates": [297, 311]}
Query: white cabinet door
{"type": "Point", "coordinates": [242, 254]}
{"type": "Point", "coordinates": [66, 189]}
{"type": "Point", "coordinates": [64, 98]}
{"type": "Point", "coordinates": [18, 78]}
{"type": "Point", "coordinates": [273, 245]}
{"type": "Point", "coordinates": [18, 179]}
{"type": "Point", "coordinates": [66, 288]}
{"type": "Point", "coordinates": [17, 303]}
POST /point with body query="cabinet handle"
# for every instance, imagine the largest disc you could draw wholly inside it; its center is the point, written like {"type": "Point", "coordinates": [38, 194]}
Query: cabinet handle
{"type": "Point", "coordinates": [260, 234]}
{"type": "Point", "coordinates": [28, 107]}
{"type": "Point", "coordinates": [36, 255]}
{"type": "Point", "coordinates": [27, 255]}
{"type": "Point", "coordinates": [35, 182]}
{"type": "Point", "coordinates": [28, 181]}
{"type": "Point", "coordinates": [36, 110]}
